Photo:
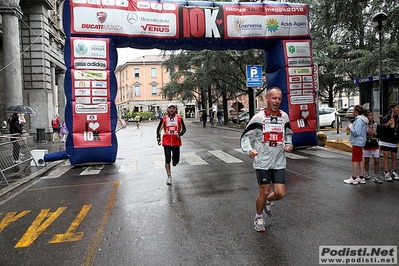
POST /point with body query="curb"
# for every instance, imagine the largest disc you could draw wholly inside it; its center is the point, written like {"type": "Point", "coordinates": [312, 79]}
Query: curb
{"type": "Point", "coordinates": [343, 145]}
{"type": "Point", "coordinates": [41, 172]}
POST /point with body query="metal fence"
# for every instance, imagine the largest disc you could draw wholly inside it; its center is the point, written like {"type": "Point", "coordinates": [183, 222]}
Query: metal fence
{"type": "Point", "coordinates": [13, 152]}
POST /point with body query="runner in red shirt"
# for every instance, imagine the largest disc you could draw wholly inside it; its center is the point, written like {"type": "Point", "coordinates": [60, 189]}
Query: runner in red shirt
{"type": "Point", "coordinates": [173, 128]}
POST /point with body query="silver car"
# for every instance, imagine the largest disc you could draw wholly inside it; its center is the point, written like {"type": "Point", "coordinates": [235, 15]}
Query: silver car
{"type": "Point", "coordinates": [327, 116]}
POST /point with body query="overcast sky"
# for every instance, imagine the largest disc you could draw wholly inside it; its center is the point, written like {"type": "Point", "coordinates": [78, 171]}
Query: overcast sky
{"type": "Point", "coordinates": [126, 54]}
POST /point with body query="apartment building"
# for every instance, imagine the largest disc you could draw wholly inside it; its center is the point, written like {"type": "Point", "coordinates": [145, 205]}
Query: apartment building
{"type": "Point", "coordinates": [139, 87]}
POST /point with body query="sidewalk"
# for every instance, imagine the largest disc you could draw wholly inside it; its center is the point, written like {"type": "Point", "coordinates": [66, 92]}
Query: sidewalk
{"type": "Point", "coordinates": [24, 173]}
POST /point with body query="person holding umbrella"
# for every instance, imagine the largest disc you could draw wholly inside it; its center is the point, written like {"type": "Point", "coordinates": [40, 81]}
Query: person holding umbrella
{"type": "Point", "coordinates": [15, 131]}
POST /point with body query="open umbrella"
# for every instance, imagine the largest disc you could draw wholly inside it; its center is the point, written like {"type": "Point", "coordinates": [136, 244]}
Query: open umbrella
{"type": "Point", "coordinates": [20, 109]}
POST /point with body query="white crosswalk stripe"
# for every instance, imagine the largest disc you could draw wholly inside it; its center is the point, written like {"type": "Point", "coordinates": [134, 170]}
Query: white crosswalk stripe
{"type": "Point", "coordinates": [288, 155]}
{"type": "Point", "coordinates": [194, 159]}
{"type": "Point", "coordinates": [227, 158]}
{"type": "Point", "coordinates": [159, 160]}
{"type": "Point", "coordinates": [295, 156]}
{"type": "Point", "coordinates": [129, 164]}
{"type": "Point", "coordinates": [92, 170]}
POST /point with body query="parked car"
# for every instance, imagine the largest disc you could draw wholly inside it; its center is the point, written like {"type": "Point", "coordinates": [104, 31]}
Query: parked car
{"type": "Point", "coordinates": [342, 111]}
{"type": "Point", "coordinates": [327, 116]}
{"type": "Point", "coordinates": [243, 116]}
{"type": "Point", "coordinates": [349, 113]}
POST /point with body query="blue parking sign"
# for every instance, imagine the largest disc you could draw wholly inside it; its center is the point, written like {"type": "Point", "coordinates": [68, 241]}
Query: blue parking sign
{"type": "Point", "coordinates": [254, 76]}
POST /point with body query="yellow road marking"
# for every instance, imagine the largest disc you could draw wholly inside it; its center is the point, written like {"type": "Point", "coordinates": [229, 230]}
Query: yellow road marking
{"type": "Point", "coordinates": [92, 250]}
{"type": "Point", "coordinates": [10, 218]}
{"type": "Point", "coordinates": [71, 235]}
{"type": "Point", "coordinates": [67, 186]}
{"type": "Point", "coordinates": [37, 227]}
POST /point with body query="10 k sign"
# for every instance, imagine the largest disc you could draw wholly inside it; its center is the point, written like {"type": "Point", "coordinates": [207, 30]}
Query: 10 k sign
{"type": "Point", "coordinates": [254, 76]}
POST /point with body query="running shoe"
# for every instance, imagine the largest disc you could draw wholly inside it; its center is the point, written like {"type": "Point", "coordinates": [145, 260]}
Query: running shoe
{"type": "Point", "coordinates": [387, 177]}
{"type": "Point", "coordinates": [395, 175]}
{"type": "Point", "coordinates": [268, 208]}
{"type": "Point", "coordinates": [351, 181]}
{"type": "Point", "coordinates": [361, 180]}
{"type": "Point", "coordinates": [259, 224]}
{"type": "Point", "coordinates": [377, 180]}
{"type": "Point", "coordinates": [169, 181]}
{"type": "Point", "coordinates": [174, 164]}
{"type": "Point", "coordinates": [366, 175]}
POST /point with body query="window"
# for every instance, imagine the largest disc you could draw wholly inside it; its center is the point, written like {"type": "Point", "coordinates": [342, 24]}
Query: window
{"type": "Point", "coordinates": [136, 90]}
{"type": "Point", "coordinates": [126, 75]}
{"type": "Point", "coordinates": [154, 89]}
{"type": "Point", "coordinates": [136, 72]}
{"type": "Point", "coordinates": [153, 72]}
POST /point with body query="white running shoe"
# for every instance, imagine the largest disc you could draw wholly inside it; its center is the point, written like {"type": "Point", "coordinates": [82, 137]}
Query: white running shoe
{"type": "Point", "coordinates": [169, 181]}
{"type": "Point", "coordinates": [377, 180]}
{"type": "Point", "coordinates": [259, 225]}
{"type": "Point", "coordinates": [351, 181]}
{"type": "Point", "coordinates": [268, 208]}
{"type": "Point", "coordinates": [387, 177]}
{"type": "Point", "coordinates": [361, 180]}
{"type": "Point", "coordinates": [395, 175]}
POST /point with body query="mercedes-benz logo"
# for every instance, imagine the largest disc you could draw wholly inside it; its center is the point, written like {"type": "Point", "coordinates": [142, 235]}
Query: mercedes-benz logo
{"type": "Point", "coordinates": [132, 18]}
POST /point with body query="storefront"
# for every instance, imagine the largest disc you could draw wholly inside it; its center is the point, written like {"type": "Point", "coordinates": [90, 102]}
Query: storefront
{"type": "Point", "coordinates": [370, 92]}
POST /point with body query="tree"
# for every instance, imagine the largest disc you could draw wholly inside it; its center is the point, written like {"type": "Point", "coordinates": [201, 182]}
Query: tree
{"type": "Point", "coordinates": [198, 75]}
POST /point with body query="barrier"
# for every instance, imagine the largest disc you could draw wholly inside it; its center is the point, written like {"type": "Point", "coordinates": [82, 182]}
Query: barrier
{"type": "Point", "coordinates": [13, 152]}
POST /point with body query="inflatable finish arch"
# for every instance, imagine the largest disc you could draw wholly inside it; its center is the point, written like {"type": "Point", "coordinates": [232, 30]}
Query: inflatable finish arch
{"type": "Point", "coordinates": [95, 28]}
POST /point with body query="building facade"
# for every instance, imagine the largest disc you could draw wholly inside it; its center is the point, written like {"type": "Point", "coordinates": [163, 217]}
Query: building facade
{"type": "Point", "coordinates": [32, 59]}
{"type": "Point", "coordinates": [139, 88]}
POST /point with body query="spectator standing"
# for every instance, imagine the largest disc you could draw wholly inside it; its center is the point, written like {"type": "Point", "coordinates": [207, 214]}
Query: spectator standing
{"type": "Point", "coordinates": [16, 131]}
{"type": "Point", "coordinates": [219, 115]}
{"type": "Point", "coordinates": [358, 132]}
{"type": "Point", "coordinates": [266, 139]}
{"type": "Point", "coordinates": [204, 118]}
{"type": "Point", "coordinates": [63, 131]}
{"type": "Point", "coordinates": [212, 117]}
{"type": "Point", "coordinates": [55, 124]}
{"type": "Point", "coordinates": [372, 150]}
{"type": "Point", "coordinates": [388, 132]}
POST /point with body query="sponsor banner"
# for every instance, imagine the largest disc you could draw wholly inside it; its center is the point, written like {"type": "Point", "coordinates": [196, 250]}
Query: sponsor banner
{"type": "Point", "coordinates": [96, 100]}
{"type": "Point", "coordinates": [90, 74]}
{"type": "Point", "coordinates": [82, 92]}
{"type": "Point", "coordinates": [303, 117]}
{"type": "Point", "coordinates": [91, 125]}
{"type": "Point", "coordinates": [82, 84]}
{"type": "Point", "coordinates": [89, 48]}
{"type": "Point", "coordinates": [199, 20]}
{"type": "Point", "coordinates": [83, 100]}
{"type": "Point", "coordinates": [99, 84]}
{"type": "Point", "coordinates": [88, 109]}
{"type": "Point", "coordinates": [298, 49]}
{"type": "Point", "coordinates": [89, 64]}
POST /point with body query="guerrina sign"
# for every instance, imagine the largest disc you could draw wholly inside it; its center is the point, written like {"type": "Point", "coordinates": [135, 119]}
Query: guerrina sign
{"type": "Point", "coordinates": [95, 28]}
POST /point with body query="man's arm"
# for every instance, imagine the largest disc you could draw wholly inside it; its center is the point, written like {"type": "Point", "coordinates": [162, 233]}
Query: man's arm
{"type": "Point", "coordinates": [159, 128]}
{"type": "Point", "coordinates": [183, 128]}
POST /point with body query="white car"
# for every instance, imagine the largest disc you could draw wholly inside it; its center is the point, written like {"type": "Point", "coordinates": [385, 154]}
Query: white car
{"type": "Point", "coordinates": [327, 116]}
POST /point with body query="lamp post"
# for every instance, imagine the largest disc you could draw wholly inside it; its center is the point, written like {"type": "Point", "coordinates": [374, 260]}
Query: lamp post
{"type": "Point", "coordinates": [380, 20]}
{"type": "Point", "coordinates": [145, 91]}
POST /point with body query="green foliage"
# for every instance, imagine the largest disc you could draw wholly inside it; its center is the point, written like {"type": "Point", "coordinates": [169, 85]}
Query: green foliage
{"type": "Point", "coordinates": [144, 115]}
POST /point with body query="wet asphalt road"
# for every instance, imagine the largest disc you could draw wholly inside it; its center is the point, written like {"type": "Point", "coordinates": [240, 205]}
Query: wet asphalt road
{"type": "Point", "coordinates": [124, 214]}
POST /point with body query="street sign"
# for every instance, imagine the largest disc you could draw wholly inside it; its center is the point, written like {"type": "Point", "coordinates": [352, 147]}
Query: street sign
{"type": "Point", "coordinates": [254, 76]}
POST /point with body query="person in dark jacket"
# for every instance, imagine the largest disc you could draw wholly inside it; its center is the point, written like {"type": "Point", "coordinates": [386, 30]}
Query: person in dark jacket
{"type": "Point", "coordinates": [388, 132]}
{"type": "Point", "coordinates": [16, 131]}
